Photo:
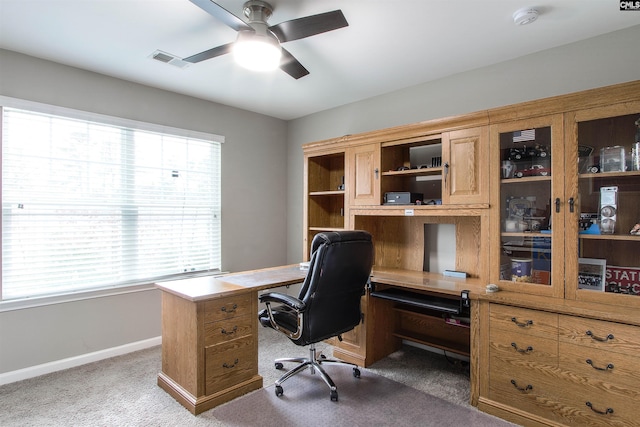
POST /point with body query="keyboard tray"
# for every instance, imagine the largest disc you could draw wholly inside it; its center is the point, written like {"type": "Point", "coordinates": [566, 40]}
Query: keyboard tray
{"type": "Point", "coordinates": [430, 302]}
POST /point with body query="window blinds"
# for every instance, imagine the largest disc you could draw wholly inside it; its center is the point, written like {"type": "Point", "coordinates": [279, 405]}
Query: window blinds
{"type": "Point", "coordinates": [87, 205]}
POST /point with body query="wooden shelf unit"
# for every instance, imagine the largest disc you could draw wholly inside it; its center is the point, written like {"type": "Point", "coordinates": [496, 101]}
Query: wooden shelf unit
{"type": "Point", "coordinates": [472, 191]}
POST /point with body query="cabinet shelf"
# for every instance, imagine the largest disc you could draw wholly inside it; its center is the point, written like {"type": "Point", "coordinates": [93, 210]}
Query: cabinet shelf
{"type": "Point", "coordinates": [610, 237]}
{"type": "Point", "coordinates": [326, 228]}
{"type": "Point", "coordinates": [605, 175]}
{"type": "Point", "coordinates": [525, 179]}
{"type": "Point", "coordinates": [415, 172]}
{"type": "Point", "coordinates": [525, 234]}
{"type": "Point", "coordinates": [327, 193]}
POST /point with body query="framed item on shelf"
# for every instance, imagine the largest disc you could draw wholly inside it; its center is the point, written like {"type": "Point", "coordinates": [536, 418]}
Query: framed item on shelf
{"type": "Point", "coordinates": [592, 273]}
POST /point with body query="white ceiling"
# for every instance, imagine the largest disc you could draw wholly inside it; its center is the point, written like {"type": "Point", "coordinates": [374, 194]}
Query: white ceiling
{"type": "Point", "coordinates": [388, 45]}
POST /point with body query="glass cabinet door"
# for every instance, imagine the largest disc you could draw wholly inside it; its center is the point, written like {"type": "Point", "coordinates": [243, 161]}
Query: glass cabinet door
{"type": "Point", "coordinates": [605, 152]}
{"type": "Point", "coordinates": [528, 172]}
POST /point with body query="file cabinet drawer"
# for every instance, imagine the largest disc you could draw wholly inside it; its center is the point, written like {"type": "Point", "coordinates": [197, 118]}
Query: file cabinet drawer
{"type": "Point", "coordinates": [508, 344]}
{"type": "Point", "coordinates": [595, 403]}
{"type": "Point", "coordinates": [524, 321]}
{"type": "Point", "coordinates": [226, 330]}
{"type": "Point", "coordinates": [527, 388]}
{"type": "Point", "coordinates": [226, 308]}
{"type": "Point", "coordinates": [229, 364]}
{"type": "Point", "coordinates": [600, 334]}
{"type": "Point", "coordinates": [594, 365]}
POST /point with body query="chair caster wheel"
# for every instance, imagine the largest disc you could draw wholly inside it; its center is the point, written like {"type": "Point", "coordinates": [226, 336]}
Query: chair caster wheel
{"type": "Point", "coordinates": [279, 365]}
{"type": "Point", "coordinates": [334, 396]}
{"type": "Point", "coordinates": [356, 372]}
{"type": "Point", "coordinates": [280, 392]}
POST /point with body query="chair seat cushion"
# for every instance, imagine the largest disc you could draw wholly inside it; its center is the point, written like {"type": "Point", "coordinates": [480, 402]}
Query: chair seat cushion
{"type": "Point", "coordinates": [283, 315]}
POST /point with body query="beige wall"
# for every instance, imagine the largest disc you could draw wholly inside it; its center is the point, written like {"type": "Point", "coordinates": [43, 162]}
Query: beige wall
{"type": "Point", "coordinates": [253, 175]}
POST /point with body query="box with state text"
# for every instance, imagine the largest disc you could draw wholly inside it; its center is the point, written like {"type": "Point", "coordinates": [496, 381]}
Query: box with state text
{"type": "Point", "coordinates": [623, 280]}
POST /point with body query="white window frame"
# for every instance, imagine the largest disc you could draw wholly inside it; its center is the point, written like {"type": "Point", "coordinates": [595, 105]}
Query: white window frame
{"type": "Point", "coordinates": [8, 305]}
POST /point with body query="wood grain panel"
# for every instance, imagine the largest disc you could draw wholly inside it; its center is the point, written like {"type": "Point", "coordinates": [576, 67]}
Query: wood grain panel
{"type": "Point", "coordinates": [598, 334]}
{"type": "Point", "coordinates": [229, 363]}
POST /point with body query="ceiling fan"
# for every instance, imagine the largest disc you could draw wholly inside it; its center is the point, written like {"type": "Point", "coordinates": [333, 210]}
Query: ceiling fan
{"type": "Point", "coordinates": [257, 31]}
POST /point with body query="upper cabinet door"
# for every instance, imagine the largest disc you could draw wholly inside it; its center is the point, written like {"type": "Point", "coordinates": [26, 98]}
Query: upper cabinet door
{"type": "Point", "coordinates": [364, 175]}
{"type": "Point", "coordinates": [603, 179]}
{"type": "Point", "coordinates": [528, 206]}
{"type": "Point", "coordinates": [465, 160]}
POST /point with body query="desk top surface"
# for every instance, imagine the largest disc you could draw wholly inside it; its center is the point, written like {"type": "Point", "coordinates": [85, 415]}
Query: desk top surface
{"type": "Point", "coordinates": [205, 287]}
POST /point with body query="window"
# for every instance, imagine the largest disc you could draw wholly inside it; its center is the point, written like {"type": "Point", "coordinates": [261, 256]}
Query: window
{"type": "Point", "coordinates": [90, 205]}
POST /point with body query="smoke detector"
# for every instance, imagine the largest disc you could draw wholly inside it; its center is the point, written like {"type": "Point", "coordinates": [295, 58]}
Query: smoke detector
{"type": "Point", "coordinates": [525, 16]}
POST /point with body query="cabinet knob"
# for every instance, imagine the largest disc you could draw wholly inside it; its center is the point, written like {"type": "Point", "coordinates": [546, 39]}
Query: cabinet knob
{"type": "Point", "coordinates": [232, 310]}
{"type": "Point", "coordinates": [226, 365]}
{"type": "Point", "coordinates": [523, 389]}
{"type": "Point", "coordinates": [605, 412]}
{"type": "Point", "coordinates": [522, 324]}
{"type": "Point", "coordinates": [606, 368]}
{"type": "Point", "coordinates": [529, 349]}
{"type": "Point", "coordinates": [231, 332]}
{"type": "Point", "coordinates": [605, 339]}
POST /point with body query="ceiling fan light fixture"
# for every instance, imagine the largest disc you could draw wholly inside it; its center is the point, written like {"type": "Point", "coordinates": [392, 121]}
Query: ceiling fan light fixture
{"type": "Point", "coordinates": [257, 52]}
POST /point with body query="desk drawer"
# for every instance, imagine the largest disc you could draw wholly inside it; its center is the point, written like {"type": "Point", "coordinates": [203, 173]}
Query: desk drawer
{"type": "Point", "coordinates": [230, 363]}
{"type": "Point", "coordinates": [595, 403]}
{"type": "Point", "coordinates": [595, 365]}
{"type": "Point", "coordinates": [226, 330]}
{"type": "Point", "coordinates": [226, 308]}
{"type": "Point", "coordinates": [528, 388]}
{"type": "Point", "coordinates": [532, 349]}
{"type": "Point", "coordinates": [524, 321]}
{"type": "Point", "coordinates": [600, 334]}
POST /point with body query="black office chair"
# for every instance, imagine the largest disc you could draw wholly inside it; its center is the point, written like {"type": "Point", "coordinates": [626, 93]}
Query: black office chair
{"type": "Point", "coordinates": [329, 301]}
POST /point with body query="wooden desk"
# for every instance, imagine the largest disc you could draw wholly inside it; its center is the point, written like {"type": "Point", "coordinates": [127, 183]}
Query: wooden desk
{"type": "Point", "coordinates": [209, 335]}
{"type": "Point", "coordinates": [209, 329]}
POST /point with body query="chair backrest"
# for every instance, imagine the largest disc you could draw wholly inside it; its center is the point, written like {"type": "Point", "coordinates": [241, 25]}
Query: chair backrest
{"type": "Point", "coordinates": [339, 270]}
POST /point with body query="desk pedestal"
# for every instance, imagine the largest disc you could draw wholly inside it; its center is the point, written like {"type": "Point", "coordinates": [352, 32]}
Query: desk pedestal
{"type": "Point", "coordinates": [209, 348]}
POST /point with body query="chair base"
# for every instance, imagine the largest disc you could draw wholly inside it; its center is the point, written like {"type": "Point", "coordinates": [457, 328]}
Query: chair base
{"type": "Point", "coordinates": [315, 364]}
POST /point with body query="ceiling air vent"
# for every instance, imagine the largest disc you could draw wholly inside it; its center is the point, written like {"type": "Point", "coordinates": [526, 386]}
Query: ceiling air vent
{"type": "Point", "coordinates": [168, 58]}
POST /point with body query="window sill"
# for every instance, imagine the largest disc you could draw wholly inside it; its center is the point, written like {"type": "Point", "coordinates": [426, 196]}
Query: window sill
{"type": "Point", "coordinates": [32, 302]}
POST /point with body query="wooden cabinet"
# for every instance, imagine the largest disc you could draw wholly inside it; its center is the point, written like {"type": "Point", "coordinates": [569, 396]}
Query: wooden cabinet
{"type": "Point", "coordinates": [209, 349]}
{"type": "Point", "coordinates": [543, 197]}
{"type": "Point", "coordinates": [547, 368]}
{"type": "Point", "coordinates": [603, 257]}
{"type": "Point", "coordinates": [553, 253]}
{"type": "Point", "coordinates": [324, 180]}
{"type": "Point", "coordinates": [364, 175]}
{"type": "Point", "coordinates": [527, 173]}
{"type": "Point", "coordinates": [465, 157]}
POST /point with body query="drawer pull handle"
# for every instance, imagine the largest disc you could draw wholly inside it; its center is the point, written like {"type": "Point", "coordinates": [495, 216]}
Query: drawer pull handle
{"type": "Point", "coordinates": [609, 366]}
{"type": "Point", "coordinates": [231, 332]}
{"type": "Point", "coordinates": [529, 349]}
{"type": "Point", "coordinates": [523, 389]}
{"type": "Point", "coordinates": [522, 325]}
{"type": "Point", "coordinates": [233, 365]}
{"type": "Point", "coordinates": [233, 309]}
{"type": "Point", "coordinates": [608, 410]}
{"type": "Point", "coordinates": [605, 339]}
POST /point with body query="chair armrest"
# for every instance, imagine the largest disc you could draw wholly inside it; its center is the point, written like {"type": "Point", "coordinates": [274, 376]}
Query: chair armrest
{"type": "Point", "coordinates": [285, 299]}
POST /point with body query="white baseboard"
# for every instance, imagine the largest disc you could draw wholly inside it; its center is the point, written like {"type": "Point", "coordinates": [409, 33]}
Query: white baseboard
{"type": "Point", "coordinates": [71, 362]}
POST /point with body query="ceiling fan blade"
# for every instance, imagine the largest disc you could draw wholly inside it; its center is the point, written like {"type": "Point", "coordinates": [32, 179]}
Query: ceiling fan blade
{"type": "Point", "coordinates": [222, 14]}
{"type": "Point", "coordinates": [210, 53]}
{"type": "Point", "coordinates": [308, 26]}
{"type": "Point", "coordinates": [290, 65]}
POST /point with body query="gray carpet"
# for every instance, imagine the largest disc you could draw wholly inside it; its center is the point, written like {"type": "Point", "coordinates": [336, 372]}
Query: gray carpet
{"type": "Point", "coordinates": [371, 400]}
{"type": "Point", "coordinates": [122, 391]}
